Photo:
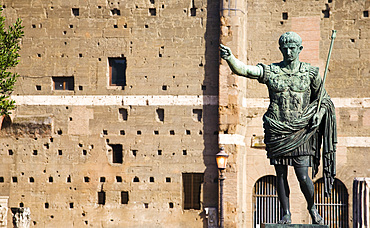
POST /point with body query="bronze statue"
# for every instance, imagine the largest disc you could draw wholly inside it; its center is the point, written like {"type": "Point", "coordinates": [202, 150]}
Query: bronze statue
{"type": "Point", "coordinates": [294, 127]}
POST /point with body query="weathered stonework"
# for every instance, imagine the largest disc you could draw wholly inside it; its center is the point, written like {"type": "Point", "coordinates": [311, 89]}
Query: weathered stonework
{"type": "Point", "coordinates": [57, 155]}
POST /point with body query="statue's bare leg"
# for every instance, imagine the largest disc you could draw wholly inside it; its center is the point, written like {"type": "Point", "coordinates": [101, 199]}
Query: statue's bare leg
{"type": "Point", "coordinates": [308, 191]}
{"type": "Point", "coordinates": [283, 192]}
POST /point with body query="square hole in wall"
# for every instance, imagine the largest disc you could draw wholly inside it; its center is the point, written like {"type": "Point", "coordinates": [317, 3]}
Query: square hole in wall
{"type": "Point", "coordinates": [38, 87]}
{"type": "Point", "coordinates": [168, 179]}
{"type": "Point", "coordinates": [152, 11]}
{"type": "Point", "coordinates": [159, 152]}
{"type": "Point", "coordinates": [197, 115]}
{"type": "Point", "coordinates": [122, 132]}
{"type": "Point", "coordinates": [156, 132]}
{"type": "Point", "coordinates": [76, 12]}
{"type": "Point", "coordinates": [32, 180]}
{"type": "Point", "coordinates": [151, 179]}
{"type": "Point", "coordinates": [366, 13]}
{"type": "Point", "coordinates": [1, 179]}
{"type": "Point", "coordinates": [86, 179]}
{"type": "Point", "coordinates": [14, 179]}
{"type": "Point", "coordinates": [102, 179]}
{"type": "Point", "coordinates": [118, 178]}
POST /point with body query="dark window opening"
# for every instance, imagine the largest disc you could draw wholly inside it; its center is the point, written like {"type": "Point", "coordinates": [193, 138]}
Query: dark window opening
{"type": "Point", "coordinates": [156, 132]}
{"type": "Point", "coordinates": [60, 152]}
{"type": "Point", "coordinates": [168, 179]}
{"type": "Point", "coordinates": [116, 11]}
{"type": "Point", "coordinates": [136, 179]}
{"type": "Point", "coordinates": [101, 198]}
{"type": "Point", "coordinates": [46, 205]}
{"type": "Point", "coordinates": [118, 178]}
{"type": "Point", "coordinates": [86, 179]}
{"type": "Point", "coordinates": [51, 179]}
{"type": "Point", "coordinates": [102, 179]}
{"type": "Point", "coordinates": [172, 132]}
{"type": "Point", "coordinates": [10, 152]}
{"type": "Point", "coordinates": [1, 179]}
{"type": "Point", "coordinates": [38, 87]}
{"type": "Point", "coordinates": [160, 114]}
{"type": "Point", "coordinates": [134, 153]}
{"type": "Point", "coordinates": [170, 205]}
{"type": "Point", "coordinates": [14, 179]}
{"type": "Point", "coordinates": [21, 204]}
{"type": "Point", "coordinates": [366, 13]}
{"type": "Point", "coordinates": [124, 113]}
{"type": "Point", "coordinates": [63, 83]}
{"type": "Point", "coordinates": [124, 197]}
{"type": "Point", "coordinates": [151, 179]}
{"type": "Point", "coordinates": [32, 180]}
{"type": "Point", "coordinates": [152, 1]}
{"type": "Point", "coordinates": [146, 205]}
{"type": "Point", "coordinates": [188, 132]}
{"type": "Point", "coordinates": [192, 183]}
{"type": "Point", "coordinates": [152, 11]}
{"type": "Point", "coordinates": [76, 12]}
{"type": "Point", "coordinates": [184, 152]}
{"type": "Point", "coordinates": [70, 205]}
{"type": "Point", "coordinates": [69, 179]}
{"type": "Point", "coordinates": [122, 132]}
{"type": "Point", "coordinates": [197, 114]}
{"type": "Point", "coordinates": [117, 71]}
{"type": "Point", "coordinates": [117, 153]}
{"type": "Point", "coordinates": [326, 12]}
{"type": "Point", "coordinates": [285, 16]}
{"type": "Point", "coordinates": [159, 152]}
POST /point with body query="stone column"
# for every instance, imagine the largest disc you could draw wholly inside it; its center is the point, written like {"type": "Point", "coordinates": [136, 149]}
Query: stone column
{"type": "Point", "coordinates": [21, 217]}
{"type": "Point", "coordinates": [231, 113]}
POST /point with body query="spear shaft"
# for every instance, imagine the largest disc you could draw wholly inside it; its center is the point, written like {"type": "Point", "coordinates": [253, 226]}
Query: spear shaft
{"type": "Point", "coordinates": [333, 35]}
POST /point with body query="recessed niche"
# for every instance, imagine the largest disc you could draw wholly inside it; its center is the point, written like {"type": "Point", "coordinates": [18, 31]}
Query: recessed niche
{"type": "Point", "coordinates": [136, 179]}
{"type": "Point", "coordinates": [118, 178]}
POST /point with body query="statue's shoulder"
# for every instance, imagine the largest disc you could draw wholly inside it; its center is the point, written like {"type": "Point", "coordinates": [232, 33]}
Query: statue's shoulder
{"type": "Point", "coordinates": [306, 67]}
{"type": "Point", "coordinates": [275, 67]}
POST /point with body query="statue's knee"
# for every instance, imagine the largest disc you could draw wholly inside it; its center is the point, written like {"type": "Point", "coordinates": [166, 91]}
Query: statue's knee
{"type": "Point", "coordinates": [303, 179]}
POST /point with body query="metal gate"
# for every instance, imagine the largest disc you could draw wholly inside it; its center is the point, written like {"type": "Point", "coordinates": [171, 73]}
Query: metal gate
{"type": "Point", "coordinates": [266, 205]}
{"type": "Point", "coordinates": [333, 209]}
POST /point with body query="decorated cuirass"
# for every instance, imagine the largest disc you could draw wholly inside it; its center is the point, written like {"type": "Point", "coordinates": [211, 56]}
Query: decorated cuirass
{"type": "Point", "coordinates": [290, 92]}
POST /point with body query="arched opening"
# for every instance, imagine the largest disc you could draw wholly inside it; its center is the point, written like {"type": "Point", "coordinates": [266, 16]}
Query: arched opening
{"type": "Point", "coordinates": [266, 205]}
{"type": "Point", "coordinates": [333, 209]}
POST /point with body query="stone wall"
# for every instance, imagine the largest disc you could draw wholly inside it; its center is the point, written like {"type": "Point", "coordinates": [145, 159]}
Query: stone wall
{"type": "Point", "coordinates": [57, 155]}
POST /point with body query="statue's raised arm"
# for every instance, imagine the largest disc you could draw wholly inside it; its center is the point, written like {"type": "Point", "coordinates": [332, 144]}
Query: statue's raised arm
{"type": "Point", "coordinates": [239, 67]}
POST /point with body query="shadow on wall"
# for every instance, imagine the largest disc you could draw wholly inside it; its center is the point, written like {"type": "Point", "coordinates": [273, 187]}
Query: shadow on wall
{"type": "Point", "coordinates": [210, 112]}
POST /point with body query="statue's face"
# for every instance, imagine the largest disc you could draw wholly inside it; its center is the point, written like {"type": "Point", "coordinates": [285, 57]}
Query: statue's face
{"type": "Point", "coordinates": [290, 51]}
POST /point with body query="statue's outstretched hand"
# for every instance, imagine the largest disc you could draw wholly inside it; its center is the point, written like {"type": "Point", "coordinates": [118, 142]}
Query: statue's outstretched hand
{"type": "Point", "coordinates": [225, 52]}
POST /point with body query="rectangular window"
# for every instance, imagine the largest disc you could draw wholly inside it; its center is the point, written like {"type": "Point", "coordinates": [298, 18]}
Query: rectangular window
{"type": "Point", "coordinates": [64, 83]}
{"type": "Point", "coordinates": [117, 71]}
{"type": "Point", "coordinates": [192, 183]}
{"type": "Point", "coordinates": [117, 153]}
{"type": "Point", "coordinates": [124, 197]}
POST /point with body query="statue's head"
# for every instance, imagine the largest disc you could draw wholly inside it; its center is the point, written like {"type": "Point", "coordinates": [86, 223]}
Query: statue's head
{"type": "Point", "coordinates": [290, 45]}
